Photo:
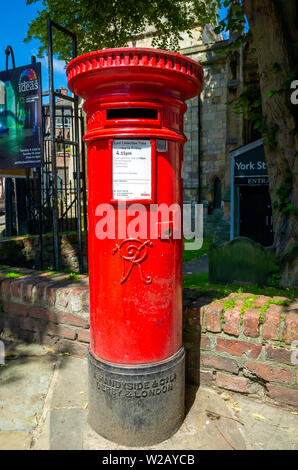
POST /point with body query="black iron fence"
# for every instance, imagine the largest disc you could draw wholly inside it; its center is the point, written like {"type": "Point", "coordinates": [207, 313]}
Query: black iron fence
{"type": "Point", "coordinates": [52, 199]}
{"type": "Point", "coordinates": [40, 183]}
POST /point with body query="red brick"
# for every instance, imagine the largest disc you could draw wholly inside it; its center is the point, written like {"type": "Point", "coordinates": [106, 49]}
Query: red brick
{"type": "Point", "coordinates": [31, 324]}
{"type": "Point", "coordinates": [62, 296]}
{"type": "Point", "coordinates": [205, 342]}
{"type": "Point", "coordinates": [276, 354]}
{"type": "Point", "coordinates": [213, 317]}
{"type": "Point", "coordinates": [217, 362]}
{"type": "Point", "coordinates": [50, 295]}
{"type": "Point", "coordinates": [27, 292]}
{"type": "Point", "coordinates": [293, 307]}
{"type": "Point", "coordinates": [59, 330]}
{"type": "Point", "coordinates": [39, 293]}
{"type": "Point", "coordinates": [290, 332]}
{"type": "Point", "coordinates": [5, 289]}
{"type": "Point", "coordinates": [14, 308]}
{"type": "Point", "coordinates": [260, 301]}
{"type": "Point", "coordinates": [85, 301]}
{"type": "Point", "coordinates": [59, 277]}
{"type": "Point", "coordinates": [283, 394]}
{"type": "Point", "coordinates": [271, 325]}
{"type": "Point", "coordinates": [269, 372]}
{"type": "Point", "coordinates": [237, 348]}
{"type": "Point", "coordinates": [58, 317]}
{"type": "Point", "coordinates": [241, 296]}
{"type": "Point", "coordinates": [251, 320]}
{"type": "Point", "coordinates": [42, 313]}
{"type": "Point", "coordinates": [75, 299]}
{"type": "Point", "coordinates": [232, 320]}
{"type": "Point", "coordinates": [206, 378]}
{"type": "Point", "coordinates": [230, 382]}
{"type": "Point", "coordinates": [276, 297]}
{"type": "Point", "coordinates": [70, 319]}
{"type": "Point", "coordinates": [84, 335]}
{"type": "Point", "coordinates": [66, 346]}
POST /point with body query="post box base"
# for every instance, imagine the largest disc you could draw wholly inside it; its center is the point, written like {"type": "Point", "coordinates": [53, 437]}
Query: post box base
{"type": "Point", "coordinates": [140, 405]}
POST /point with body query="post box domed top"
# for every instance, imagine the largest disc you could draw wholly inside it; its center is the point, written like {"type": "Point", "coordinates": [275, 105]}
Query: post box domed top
{"type": "Point", "coordinates": [129, 70]}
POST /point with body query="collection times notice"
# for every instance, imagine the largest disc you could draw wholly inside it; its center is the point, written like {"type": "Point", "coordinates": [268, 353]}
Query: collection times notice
{"type": "Point", "coordinates": [131, 169]}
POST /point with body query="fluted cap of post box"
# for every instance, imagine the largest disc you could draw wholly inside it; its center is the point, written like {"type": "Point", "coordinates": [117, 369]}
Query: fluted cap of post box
{"type": "Point", "coordinates": [126, 70]}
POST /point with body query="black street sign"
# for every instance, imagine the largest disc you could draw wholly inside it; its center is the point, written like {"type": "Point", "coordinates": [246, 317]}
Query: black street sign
{"type": "Point", "coordinates": [250, 167]}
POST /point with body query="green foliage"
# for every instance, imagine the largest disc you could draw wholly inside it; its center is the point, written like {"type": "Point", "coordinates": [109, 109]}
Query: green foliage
{"type": "Point", "coordinates": [12, 274]}
{"type": "Point", "coordinates": [286, 84]}
{"type": "Point", "coordinates": [201, 282]}
{"type": "Point", "coordinates": [283, 203]}
{"type": "Point", "coordinates": [264, 309]}
{"type": "Point", "coordinates": [101, 24]}
{"type": "Point", "coordinates": [230, 303]}
{"type": "Point", "coordinates": [233, 22]}
{"type": "Point", "coordinates": [248, 303]}
{"type": "Point", "coordinates": [274, 279]}
{"type": "Point", "coordinates": [249, 103]}
{"type": "Point", "coordinates": [74, 276]}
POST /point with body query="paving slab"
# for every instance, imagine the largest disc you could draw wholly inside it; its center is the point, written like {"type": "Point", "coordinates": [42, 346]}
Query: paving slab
{"type": "Point", "coordinates": [71, 388]}
{"type": "Point", "coordinates": [15, 440]}
{"type": "Point", "coordinates": [267, 427]}
{"type": "Point", "coordinates": [24, 384]}
{"type": "Point", "coordinates": [66, 430]}
{"type": "Point", "coordinates": [198, 432]}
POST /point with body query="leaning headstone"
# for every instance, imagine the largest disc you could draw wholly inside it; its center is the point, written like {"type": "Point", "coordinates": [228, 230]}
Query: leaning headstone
{"type": "Point", "coordinates": [241, 260]}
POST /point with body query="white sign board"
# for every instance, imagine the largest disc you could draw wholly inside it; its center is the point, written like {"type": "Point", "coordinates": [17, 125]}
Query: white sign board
{"type": "Point", "coordinates": [131, 169]}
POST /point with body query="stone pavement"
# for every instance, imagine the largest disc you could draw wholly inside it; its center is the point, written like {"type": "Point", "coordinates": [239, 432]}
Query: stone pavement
{"type": "Point", "coordinates": [43, 401]}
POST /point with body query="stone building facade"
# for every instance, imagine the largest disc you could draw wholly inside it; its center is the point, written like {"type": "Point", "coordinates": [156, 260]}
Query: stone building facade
{"type": "Point", "coordinates": [211, 125]}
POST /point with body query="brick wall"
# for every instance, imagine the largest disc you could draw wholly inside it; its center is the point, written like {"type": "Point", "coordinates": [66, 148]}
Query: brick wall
{"type": "Point", "coordinates": [241, 343]}
{"type": "Point", "coordinates": [48, 309]}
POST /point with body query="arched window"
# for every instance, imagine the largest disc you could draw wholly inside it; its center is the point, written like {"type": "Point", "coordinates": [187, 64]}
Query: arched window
{"type": "Point", "coordinates": [217, 194]}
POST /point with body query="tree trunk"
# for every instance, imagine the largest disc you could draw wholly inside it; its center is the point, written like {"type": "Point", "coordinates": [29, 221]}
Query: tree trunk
{"type": "Point", "coordinates": [268, 28]}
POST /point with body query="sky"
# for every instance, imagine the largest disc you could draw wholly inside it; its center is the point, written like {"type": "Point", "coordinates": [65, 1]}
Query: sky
{"type": "Point", "coordinates": [15, 17]}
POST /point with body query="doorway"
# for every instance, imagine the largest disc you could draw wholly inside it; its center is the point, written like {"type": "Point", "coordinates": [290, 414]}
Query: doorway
{"type": "Point", "coordinates": [255, 214]}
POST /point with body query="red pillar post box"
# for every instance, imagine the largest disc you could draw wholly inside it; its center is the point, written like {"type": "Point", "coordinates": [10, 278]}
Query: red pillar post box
{"type": "Point", "coordinates": [135, 101]}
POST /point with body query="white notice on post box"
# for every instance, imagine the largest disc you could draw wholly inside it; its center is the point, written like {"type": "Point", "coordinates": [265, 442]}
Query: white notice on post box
{"type": "Point", "coordinates": [131, 169]}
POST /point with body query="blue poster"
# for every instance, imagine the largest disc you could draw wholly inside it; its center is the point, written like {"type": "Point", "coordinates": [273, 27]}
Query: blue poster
{"type": "Point", "coordinates": [21, 141]}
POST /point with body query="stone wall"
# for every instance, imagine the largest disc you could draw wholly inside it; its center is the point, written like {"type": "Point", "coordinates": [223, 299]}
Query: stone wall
{"type": "Point", "coordinates": [242, 343]}
{"type": "Point", "coordinates": [212, 129]}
